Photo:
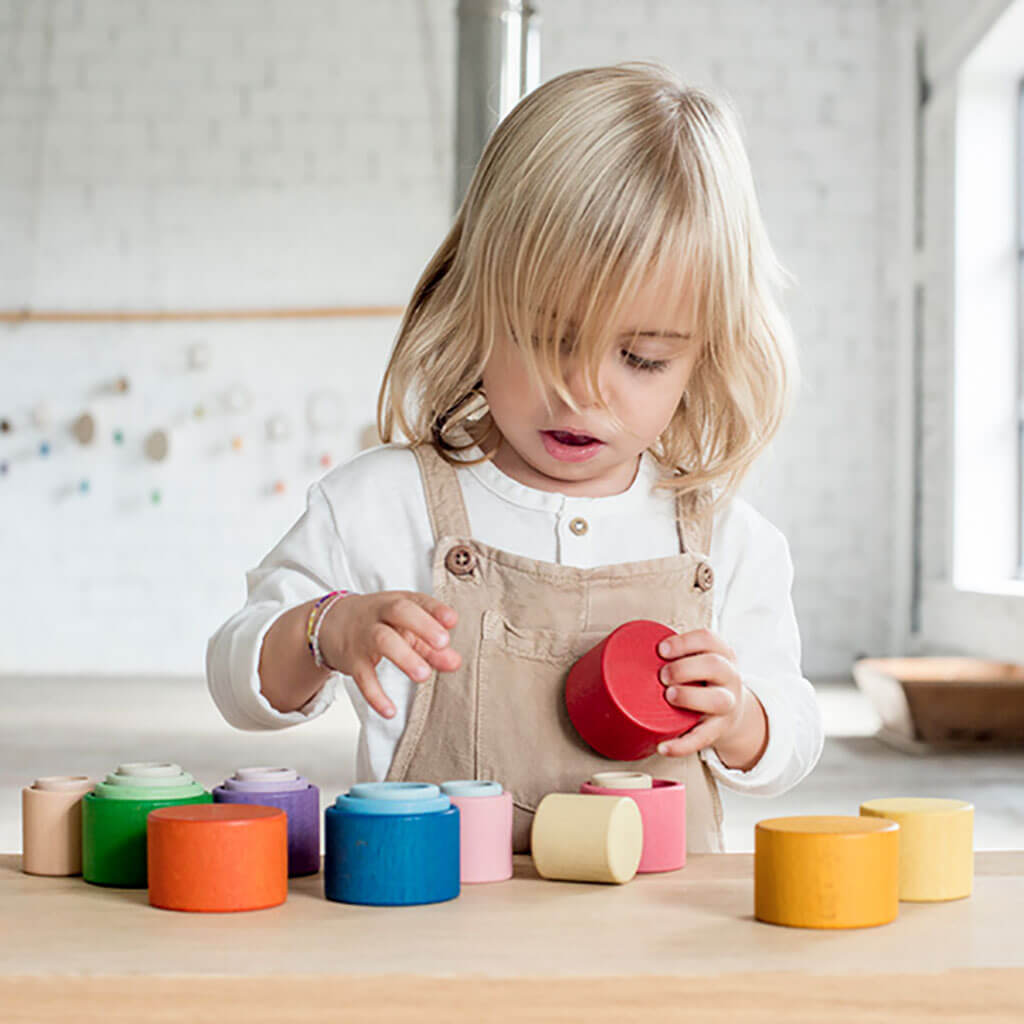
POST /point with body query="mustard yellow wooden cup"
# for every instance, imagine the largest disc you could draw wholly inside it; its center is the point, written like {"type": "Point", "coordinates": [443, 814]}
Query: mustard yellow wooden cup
{"type": "Point", "coordinates": [826, 872]}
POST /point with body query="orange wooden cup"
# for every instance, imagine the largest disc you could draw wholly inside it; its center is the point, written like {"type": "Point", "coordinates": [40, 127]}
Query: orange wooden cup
{"type": "Point", "coordinates": [217, 857]}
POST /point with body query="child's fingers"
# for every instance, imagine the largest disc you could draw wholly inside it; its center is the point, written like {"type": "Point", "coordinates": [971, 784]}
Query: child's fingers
{"type": "Point", "coordinates": [405, 613]}
{"type": "Point", "coordinates": [442, 612]}
{"type": "Point", "coordinates": [696, 641]}
{"type": "Point", "coordinates": [445, 660]}
{"type": "Point", "coordinates": [702, 735]}
{"type": "Point", "coordinates": [369, 686]}
{"type": "Point", "coordinates": [705, 700]}
{"type": "Point", "coordinates": [699, 668]}
{"type": "Point", "coordinates": [388, 643]}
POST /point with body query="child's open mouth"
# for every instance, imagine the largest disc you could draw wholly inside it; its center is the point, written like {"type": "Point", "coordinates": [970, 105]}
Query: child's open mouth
{"type": "Point", "coordinates": [570, 447]}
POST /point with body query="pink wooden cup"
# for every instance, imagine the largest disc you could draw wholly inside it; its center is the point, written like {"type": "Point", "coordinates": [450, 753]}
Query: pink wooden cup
{"type": "Point", "coordinates": [485, 828]}
{"type": "Point", "coordinates": [663, 813]}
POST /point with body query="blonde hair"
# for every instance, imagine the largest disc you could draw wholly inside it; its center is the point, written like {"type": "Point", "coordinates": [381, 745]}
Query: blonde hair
{"type": "Point", "coordinates": [594, 180]}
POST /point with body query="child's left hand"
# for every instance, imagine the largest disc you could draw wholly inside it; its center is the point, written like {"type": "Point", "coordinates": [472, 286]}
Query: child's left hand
{"type": "Point", "coordinates": [734, 721]}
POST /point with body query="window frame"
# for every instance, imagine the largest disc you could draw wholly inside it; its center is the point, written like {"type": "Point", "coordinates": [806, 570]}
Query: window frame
{"type": "Point", "coordinates": [1020, 328]}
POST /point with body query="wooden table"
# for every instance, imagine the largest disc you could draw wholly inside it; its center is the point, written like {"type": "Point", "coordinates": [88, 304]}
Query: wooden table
{"type": "Point", "coordinates": [681, 946]}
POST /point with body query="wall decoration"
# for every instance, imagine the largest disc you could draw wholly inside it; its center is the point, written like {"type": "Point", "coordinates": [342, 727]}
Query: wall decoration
{"type": "Point", "coordinates": [325, 410]}
{"type": "Point", "coordinates": [115, 409]}
{"type": "Point", "coordinates": [157, 445]}
{"type": "Point", "coordinates": [42, 414]}
{"type": "Point", "coordinates": [278, 428]}
{"type": "Point", "coordinates": [238, 399]}
{"type": "Point", "coordinates": [83, 429]}
{"type": "Point", "coordinates": [199, 355]}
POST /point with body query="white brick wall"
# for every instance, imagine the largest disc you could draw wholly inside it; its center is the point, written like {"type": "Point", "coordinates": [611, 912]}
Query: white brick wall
{"type": "Point", "coordinates": [216, 153]}
{"type": "Point", "coordinates": [811, 85]}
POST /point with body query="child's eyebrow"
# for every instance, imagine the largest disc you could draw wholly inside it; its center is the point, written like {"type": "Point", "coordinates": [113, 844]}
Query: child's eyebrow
{"type": "Point", "coordinates": [633, 333]}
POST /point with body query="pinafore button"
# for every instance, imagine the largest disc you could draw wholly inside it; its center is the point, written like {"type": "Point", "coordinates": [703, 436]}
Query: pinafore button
{"type": "Point", "coordinates": [705, 578]}
{"type": "Point", "coordinates": [460, 561]}
{"type": "Point", "coordinates": [578, 526]}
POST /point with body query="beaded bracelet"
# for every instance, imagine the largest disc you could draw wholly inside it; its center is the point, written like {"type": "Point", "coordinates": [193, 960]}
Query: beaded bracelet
{"type": "Point", "coordinates": [316, 616]}
{"type": "Point", "coordinates": [312, 617]}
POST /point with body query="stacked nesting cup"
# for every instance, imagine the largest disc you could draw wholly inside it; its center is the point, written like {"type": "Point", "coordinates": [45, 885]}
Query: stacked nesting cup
{"type": "Point", "coordinates": [392, 844]}
{"type": "Point", "coordinates": [114, 819]}
{"type": "Point", "coordinates": [662, 804]}
{"type": "Point", "coordinates": [485, 828]}
{"type": "Point", "coordinates": [51, 825]}
{"type": "Point", "coordinates": [296, 796]}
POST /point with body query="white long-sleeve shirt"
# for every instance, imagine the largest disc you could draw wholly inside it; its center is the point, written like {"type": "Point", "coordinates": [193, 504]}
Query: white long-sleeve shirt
{"type": "Point", "coordinates": [366, 529]}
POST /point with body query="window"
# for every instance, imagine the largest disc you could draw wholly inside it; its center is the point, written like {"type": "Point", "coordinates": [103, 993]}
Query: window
{"type": "Point", "coordinates": [988, 499]}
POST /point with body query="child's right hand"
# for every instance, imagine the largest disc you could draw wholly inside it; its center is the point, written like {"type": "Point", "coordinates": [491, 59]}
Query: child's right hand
{"type": "Point", "coordinates": [407, 628]}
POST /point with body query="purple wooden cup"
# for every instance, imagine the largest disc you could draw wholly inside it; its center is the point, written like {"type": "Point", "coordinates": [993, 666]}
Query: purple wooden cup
{"type": "Point", "coordinates": [296, 796]}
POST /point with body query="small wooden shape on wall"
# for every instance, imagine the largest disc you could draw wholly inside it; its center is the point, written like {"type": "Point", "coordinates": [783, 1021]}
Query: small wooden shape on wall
{"type": "Point", "coordinates": [199, 355]}
{"type": "Point", "coordinates": [157, 445]}
{"type": "Point", "coordinates": [237, 399]}
{"type": "Point", "coordinates": [83, 429]}
{"type": "Point", "coordinates": [278, 428]}
{"type": "Point", "coordinates": [325, 410]}
{"type": "Point", "coordinates": [42, 414]}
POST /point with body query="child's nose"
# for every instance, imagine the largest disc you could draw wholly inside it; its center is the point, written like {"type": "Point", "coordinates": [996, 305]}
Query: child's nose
{"type": "Point", "coordinates": [578, 381]}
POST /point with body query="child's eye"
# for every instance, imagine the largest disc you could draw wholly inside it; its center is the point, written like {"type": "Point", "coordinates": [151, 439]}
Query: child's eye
{"type": "Point", "coordinates": [631, 359]}
{"type": "Point", "coordinates": [639, 363]}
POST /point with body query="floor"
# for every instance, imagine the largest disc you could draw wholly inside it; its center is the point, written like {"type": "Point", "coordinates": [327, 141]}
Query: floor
{"type": "Point", "coordinates": [85, 726]}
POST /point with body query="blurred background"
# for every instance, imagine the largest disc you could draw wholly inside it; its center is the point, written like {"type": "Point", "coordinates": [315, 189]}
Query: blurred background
{"type": "Point", "coordinates": [213, 211]}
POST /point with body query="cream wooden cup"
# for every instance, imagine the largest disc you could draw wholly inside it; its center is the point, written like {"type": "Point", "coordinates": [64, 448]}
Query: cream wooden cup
{"type": "Point", "coordinates": [587, 838]}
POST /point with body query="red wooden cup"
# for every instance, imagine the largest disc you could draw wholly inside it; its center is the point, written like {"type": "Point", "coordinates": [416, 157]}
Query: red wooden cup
{"type": "Point", "coordinates": [616, 700]}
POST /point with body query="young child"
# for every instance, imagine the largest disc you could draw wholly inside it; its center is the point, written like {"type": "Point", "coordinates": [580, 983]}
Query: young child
{"type": "Point", "coordinates": [586, 369]}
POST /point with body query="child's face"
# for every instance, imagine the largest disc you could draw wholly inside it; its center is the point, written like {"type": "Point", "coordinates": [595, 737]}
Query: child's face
{"type": "Point", "coordinates": [642, 381]}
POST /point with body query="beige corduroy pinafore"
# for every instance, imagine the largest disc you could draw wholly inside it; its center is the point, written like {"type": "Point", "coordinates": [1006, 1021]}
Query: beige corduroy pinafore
{"type": "Point", "coordinates": [522, 624]}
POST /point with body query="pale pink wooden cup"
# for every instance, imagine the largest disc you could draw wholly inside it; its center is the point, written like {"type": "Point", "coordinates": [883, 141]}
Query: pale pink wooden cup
{"type": "Point", "coordinates": [663, 813]}
{"type": "Point", "coordinates": [485, 828]}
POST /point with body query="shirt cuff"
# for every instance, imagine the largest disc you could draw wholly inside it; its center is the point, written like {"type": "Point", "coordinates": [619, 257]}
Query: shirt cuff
{"type": "Point", "coordinates": [768, 776]}
{"type": "Point", "coordinates": [243, 671]}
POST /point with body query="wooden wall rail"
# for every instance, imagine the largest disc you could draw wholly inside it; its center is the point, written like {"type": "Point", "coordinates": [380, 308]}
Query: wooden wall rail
{"type": "Point", "coordinates": [27, 316]}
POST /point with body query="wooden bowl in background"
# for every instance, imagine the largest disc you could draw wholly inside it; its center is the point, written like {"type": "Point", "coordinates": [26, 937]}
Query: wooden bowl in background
{"type": "Point", "coordinates": [948, 702]}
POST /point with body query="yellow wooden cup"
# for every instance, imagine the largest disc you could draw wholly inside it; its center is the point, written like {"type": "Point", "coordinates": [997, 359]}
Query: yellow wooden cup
{"type": "Point", "coordinates": [936, 845]}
